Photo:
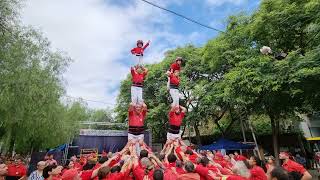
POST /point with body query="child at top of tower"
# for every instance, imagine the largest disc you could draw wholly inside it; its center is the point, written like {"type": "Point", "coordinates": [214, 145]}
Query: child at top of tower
{"type": "Point", "coordinates": [139, 50]}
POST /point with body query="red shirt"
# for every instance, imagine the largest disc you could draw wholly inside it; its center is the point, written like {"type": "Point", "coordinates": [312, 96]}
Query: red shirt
{"type": "Point", "coordinates": [174, 80]}
{"type": "Point", "coordinates": [138, 173]}
{"type": "Point", "coordinates": [136, 77]}
{"type": "Point", "coordinates": [175, 66]}
{"type": "Point", "coordinates": [170, 165]}
{"type": "Point", "coordinates": [136, 119]}
{"type": "Point", "coordinates": [257, 173]}
{"type": "Point", "coordinates": [139, 50]}
{"type": "Point", "coordinates": [118, 175]}
{"type": "Point", "coordinates": [203, 172]}
{"type": "Point", "coordinates": [86, 175]}
{"type": "Point", "coordinates": [16, 170]}
{"type": "Point", "coordinates": [169, 174]}
{"type": "Point", "coordinates": [193, 158]}
{"type": "Point", "coordinates": [293, 166]}
{"type": "Point", "coordinates": [176, 119]}
{"type": "Point", "coordinates": [77, 166]}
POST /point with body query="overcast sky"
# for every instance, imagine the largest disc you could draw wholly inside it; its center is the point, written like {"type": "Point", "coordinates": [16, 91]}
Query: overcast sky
{"type": "Point", "coordinates": [99, 34]}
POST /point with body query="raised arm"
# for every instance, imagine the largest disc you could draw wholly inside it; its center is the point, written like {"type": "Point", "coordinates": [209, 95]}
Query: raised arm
{"type": "Point", "coordinates": [146, 45]}
{"type": "Point", "coordinates": [131, 107]}
{"type": "Point", "coordinates": [95, 172]}
{"type": "Point", "coordinates": [306, 176]}
{"type": "Point", "coordinates": [152, 156]}
{"type": "Point", "coordinates": [144, 106]}
{"type": "Point", "coordinates": [126, 166]}
{"type": "Point", "coordinates": [183, 109]}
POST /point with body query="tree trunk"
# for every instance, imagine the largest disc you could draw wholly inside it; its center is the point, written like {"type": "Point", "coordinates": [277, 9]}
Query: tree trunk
{"type": "Point", "coordinates": [275, 136]}
{"type": "Point", "coordinates": [198, 138]}
{"type": "Point", "coordinates": [11, 143]}
{"type": "Point", "coordinates": [220, 128]}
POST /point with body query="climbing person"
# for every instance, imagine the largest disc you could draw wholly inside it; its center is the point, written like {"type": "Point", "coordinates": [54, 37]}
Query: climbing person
{"type": "Point", "coordinates": [174, 87]}
{"type": "Point", "coordinates": [138, 74]}
{"type": "Point", "coordinates": [176, 115]}
{"type": "Point", "coordinates": [139, 50]}
{"type": "Point", "coordinates": [173, 67]}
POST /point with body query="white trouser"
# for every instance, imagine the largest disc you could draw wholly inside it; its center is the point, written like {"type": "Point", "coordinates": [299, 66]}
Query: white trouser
{"type": "Point", "coordinates": [175, 96]}
{"type": "Point", "coordinates": [135, 139]}
{"type": "Point", "coordinates": [171, 136]}
{"type": "Point", "coordinates": [136, 95]}
{"type": "Point", "coordinates": [140, 60]}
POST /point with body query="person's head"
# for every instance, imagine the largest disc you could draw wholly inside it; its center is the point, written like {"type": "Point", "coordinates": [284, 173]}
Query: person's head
{"type": "Point", "coordinates": [179, 163]}
{"type": "Point", "coordinates": [41, 165]}
{"type": "Point", "coordinates": [103, 172]}
{"type": "Point", "coordinates": [69, 165]}
{"type": "Point", "coordinates": [179, 60]}
{"type": "Point", "coordinates": [254, 161]}
{"type": "Point", "coordinates": [189, 151]}
{"type": "Point", "coordinates": [162, 156]}
{"type": "Point", "coordinates": [270, 160]}
{"type": "Point", "coordinates": [226, 158]}
{"type": "Point", "coordinates": [176, 72]}
{"type": "Point", "coordinates": [115, 169]}
{"type": "Point", "coordinates": [103, 159]}
{"type": "Point", "coordinates": [189, 167]}
{"type": "Point", "coordinates": [278, 173]}
{"type": "Point", "coordinates": [158, 174]}
{"type": "Point", "coordinates": [294, 175]}
{"type": "Point", "coordinates": [139, 43]}
{"type": "Point", "coordinates": [73, 158]}
{"type": "Point", "coordinates": [145, 162]}
{"type": "Point", "coordinates": [240, 168]}
{"type": "Point", "coordinates": [204, 161]}
{"type": "Point", "coordinates": [144, 153]}
{"type": "Point", "coordinates": [3, 169]}
{"type": "Point", "coordinates": [172, 158]}
{"type": "Point", "coordinates": [50, 156]}
{"type": "Point", "coordinates": [88, 166]}
{"type": "Point", "coordinates": [138, 108]}
{"type": "Point", "coordinates": [177, 109]}
{"type": "Point", "coordinates": [236, 153]}
{"type": "Point", "coordinates": [71, 174]}
{"type": "Point", "coordinates": [198, 160]}
{"type": "Point", "coordinates": [139, 69]}
{"type": "Point", "coordinates": [18, 161]}
{"type": "Point", "coordinates": [51, 170]}
{"type": "Point", "coordinates": [284, 156]}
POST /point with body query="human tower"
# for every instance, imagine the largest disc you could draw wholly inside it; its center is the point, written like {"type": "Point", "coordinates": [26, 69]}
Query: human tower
{"type": "Point", "coordinates": [138, 109]}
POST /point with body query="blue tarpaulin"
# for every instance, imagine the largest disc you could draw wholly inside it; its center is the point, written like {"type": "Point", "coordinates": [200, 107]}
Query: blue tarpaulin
{"type": "Point", "coordinates": [59, 148]}
{"type": "Point", "coordinates": [227, 145]}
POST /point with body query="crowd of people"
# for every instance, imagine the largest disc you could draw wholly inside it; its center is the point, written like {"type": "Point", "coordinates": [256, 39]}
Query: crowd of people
{"type": "Point", "coordinates": [175, 161]}
{"type": "Point", "coordinates": [136, 161]}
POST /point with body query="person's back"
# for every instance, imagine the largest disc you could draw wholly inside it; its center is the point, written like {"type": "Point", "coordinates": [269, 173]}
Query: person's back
{"type": "Point", "coordinates": [190, 174]}
{"type": "Point", "coordinates": [278, 173]}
